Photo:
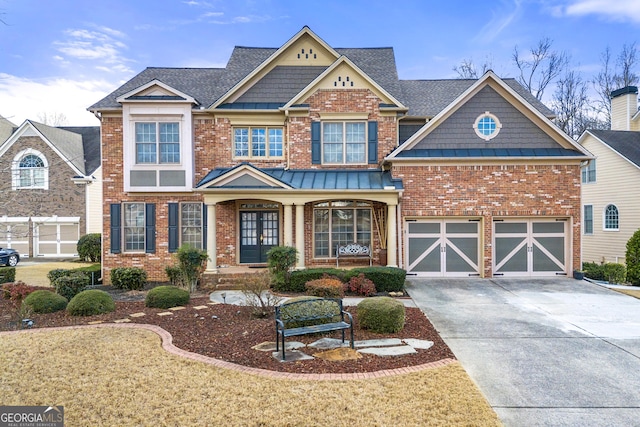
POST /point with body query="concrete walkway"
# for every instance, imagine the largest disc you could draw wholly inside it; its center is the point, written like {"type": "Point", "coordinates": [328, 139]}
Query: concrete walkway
{"type": "Point", "coordinates": [239, 298]}
{"type": "Point", "coordinates": [552, 352]}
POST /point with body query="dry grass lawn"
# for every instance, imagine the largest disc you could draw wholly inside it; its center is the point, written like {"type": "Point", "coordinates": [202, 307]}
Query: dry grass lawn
{"type": "Point", "coordinates": [634, 292]}
{"type": "Point", "coordinates": [36, 274]}
{"type": "Point", "coordinates": [123, 377]}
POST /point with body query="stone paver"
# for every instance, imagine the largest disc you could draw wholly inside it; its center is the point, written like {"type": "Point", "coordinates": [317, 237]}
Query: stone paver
{"type": "Point", "coordinates": [137, 314]}
{"type": "Point", "coordinates": [291, 356]}
{"type": "Point", "coordinates": [328, 343]}
{"type": "Point", "coordinates": [165, 313]}
{"type": "Point", "coordinates": [177, 308]}
{"type": "Point", "coordinates": [400, 350]}
{"type": "Point", "coordinates": [122, 321]}
{"type": "Point", "coordinates": [95, 322]}
{"type": "Point", "coordinates": [383, 342]}
{"type": "Point", "coordinates": [271, 346]}
{"type": "Point", "coordinates": [338, 354]}
{"type": "Point", "coordinates": [200, 307]}
{"type": "Point", "coordinates": [419, 344]}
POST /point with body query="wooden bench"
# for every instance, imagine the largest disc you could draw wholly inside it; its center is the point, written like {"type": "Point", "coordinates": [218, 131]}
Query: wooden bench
{"type": "Point", "coordinates": [353, 250]}
{"type": "Point", "coordinates": [311, 316]}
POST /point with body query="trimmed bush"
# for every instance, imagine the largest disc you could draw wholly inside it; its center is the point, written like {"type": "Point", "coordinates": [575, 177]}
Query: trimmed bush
{"type": "Point", "coordinates": [174, 273]}
{"type": "Point", "coordinates": [7, 274]}
{"type": "Point", "coordinates": [53, 275]}
{"type": "Point", "coordinates": [632, 259]}
{"type": "Point", "coordinates": [360, 285]}
{"type": "Point", "coordinates": [386, 279]}
{"type": "Point", "coordinates": [593, 270]}
{"type": "Point", "coordinates": [326, 287]}
{"type": "Point", "coordinates": [299, 278]}
{"type": "Point", "coordinates": [381, 315]}
{"type": "Point", "coordinates": [615, 273]}
{"type": "Point", "coordinates": [317, 308]}
{"type": "Point", "coordinates": [93, 273]}
{"type": "Point", "coordinates": [43, 301]}
{"type": "Point", "coordinates": [90, 303]}
{"type": "Point", "coordinates": [280, 260]}
{"type": "Point", "coordinates": [129, 278]}
{"type": "Point", "coordinates": [90, 247]}
{"type": "Point", "coordinates": [166, 297]}
{"type": "Point", "coordinates": [71, 285]}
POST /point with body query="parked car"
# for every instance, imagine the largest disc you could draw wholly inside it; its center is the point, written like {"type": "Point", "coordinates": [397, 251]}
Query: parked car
{"type": "Point", "coordinates": [9, 257]}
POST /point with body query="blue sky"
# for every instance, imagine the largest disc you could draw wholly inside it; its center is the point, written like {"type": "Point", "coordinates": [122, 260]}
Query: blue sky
{"type": "Point", "coordinates": [60, 56]}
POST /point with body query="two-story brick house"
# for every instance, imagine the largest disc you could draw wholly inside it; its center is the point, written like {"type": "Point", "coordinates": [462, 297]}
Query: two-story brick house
{"type": "Point", "coordinates": [314, 146]}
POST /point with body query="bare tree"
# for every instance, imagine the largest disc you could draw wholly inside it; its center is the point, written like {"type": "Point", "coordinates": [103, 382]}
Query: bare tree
{"type": "Point", "coordinates": [52, 119]}
{"type": "Point", "coordinates": [572, 105]}
{"type": "Point", "coordinates": [612, 77]}
{"type": "Point", "coordinates": [468, 70]}
{"type": "Point", "coordinates": [542, 67]}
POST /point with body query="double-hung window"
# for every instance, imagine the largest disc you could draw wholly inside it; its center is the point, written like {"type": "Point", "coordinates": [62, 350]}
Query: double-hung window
{"type": "Point", "coordinates": [589, 172]}
{"type": "Point", "coordinates": [157, 142]}
{"type": "Point", "coordinates": [588, 219]}
{"type": "Point", "coordinates": [340, 223]}
{"type": "Point", "coordinates": [134, 227]}
{"type": "Point", "coordinates": [191, 224]}
{"type": "Point", "coordinates": [344, 142]}
{"type": "Point", "coordinates": [257, 142]}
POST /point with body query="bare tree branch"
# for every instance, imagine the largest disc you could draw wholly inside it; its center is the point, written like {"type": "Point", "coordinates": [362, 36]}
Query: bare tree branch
{"type": "Point", "coordinates": [468, 70]}
{"type": "Point", "coordinates": [543, 66]}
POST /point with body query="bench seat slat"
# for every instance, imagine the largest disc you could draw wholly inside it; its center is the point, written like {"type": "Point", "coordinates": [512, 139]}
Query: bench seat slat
{"type": "Point", "coordinates": [315, 329]}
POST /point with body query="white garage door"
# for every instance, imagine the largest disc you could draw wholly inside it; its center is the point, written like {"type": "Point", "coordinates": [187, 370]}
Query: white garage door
{"type": "Point", "coordinates": [443, 247]}
{"type": "Point", "coordinates": [530, 247]}
{"type": "Point", "coordinates": [56, 238]}
{"type": "Point", "coordinates": [14, 234]}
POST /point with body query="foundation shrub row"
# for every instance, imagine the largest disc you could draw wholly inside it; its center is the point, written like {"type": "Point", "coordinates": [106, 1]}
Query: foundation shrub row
{"type": "Point", "coordinates": [384, 279]}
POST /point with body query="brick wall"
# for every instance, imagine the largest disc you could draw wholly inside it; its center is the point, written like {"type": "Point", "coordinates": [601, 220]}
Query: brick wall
{"type": "Point", "coordinates": [493, 191]}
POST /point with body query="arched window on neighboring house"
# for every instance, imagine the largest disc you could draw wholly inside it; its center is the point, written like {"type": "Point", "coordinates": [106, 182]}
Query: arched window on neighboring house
{"type": "Point", "coordinates": [611, 218]}
{"type": "Point", "coordinates": [30, 170]}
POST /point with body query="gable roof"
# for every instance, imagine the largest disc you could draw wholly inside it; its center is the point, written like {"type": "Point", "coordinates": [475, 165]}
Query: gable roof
{"type": "Point", "coordinates": [6, 129]}
{"type": "Point", "coordinates": [625, 143]}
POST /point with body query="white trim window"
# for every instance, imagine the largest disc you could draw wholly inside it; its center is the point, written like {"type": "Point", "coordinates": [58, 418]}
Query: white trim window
{"type": "Point", "coordinates": [258, 142]}
{"type": "Point", "coordinates": [339, 223]}
{"type": "Point", "coordinates": [157, 142]}
{"type": "Point", "coordinates": [611, 218]}
{"type": "Point", "coordinates": [589, 172]}
{"type": "Point", "coordinates": [133, 227]}
{"type": "Point", "coordinates": [191, 224]}
{"type": "Point", "coordinates": [344, 142]}
{"type": "Point", "coordinates": [30, 170]}
{"type": "Point", "coordinates": [587, 220]}
{"type": "Point", "coordinates": [487, 126]}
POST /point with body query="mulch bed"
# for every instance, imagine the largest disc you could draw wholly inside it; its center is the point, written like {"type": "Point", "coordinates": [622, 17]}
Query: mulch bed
{"type": "Point", "coordinates": [228, 332]}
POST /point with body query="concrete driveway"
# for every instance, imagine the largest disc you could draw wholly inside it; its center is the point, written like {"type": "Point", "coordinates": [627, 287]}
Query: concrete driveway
{"type": "Point", "coordinates": [545, 352]}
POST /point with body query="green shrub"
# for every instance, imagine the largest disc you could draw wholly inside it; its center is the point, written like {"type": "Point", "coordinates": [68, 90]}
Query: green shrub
{"type": "Point", "coordinates": [280, 260]}
{"type": "Point", "coordinates": [71, 285]}
{"type": "Point", "coordinates": [90, 247]}
{"type": "Point", "coordinates": [90, 303]}
{"type": "Point", "coordinates": [299, 278]}
{"type": "Point", "coordinates": [93, 273]}
{"type": "Point", "coordinates": [166, 297]}
{"type": "Point", "coordinates": [386, 279]}
{"type": "Point", "coordinates": [632, 259]}
{"type": "Point", "coordinates": [360, 285]}
{"type": "Point", "coordinates": [593, 270]}
{"type": "Point", "coordinates": [381, 314]}
{"type": "Point", "coordinates": [129, 278]}
{"type": "Point", "coordinates": [615, 273]}
{"type": "Point", "coordinates": [327, 310]}
{"type": "Point", "coordinates": [174, 274]}
{"type": "Point", "coordinates": [43, 301]}
{"type": "Point", "coordinates": [191, 264]}
{"type": "Point", "coordinates": [57, 273]}
{"type": "Point", "coordinates": [7, 274]}
{"type": "Point", "coordinates": [326, 287]}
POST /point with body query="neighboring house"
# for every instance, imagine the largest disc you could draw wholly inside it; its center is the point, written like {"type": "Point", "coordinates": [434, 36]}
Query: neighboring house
{"type": "Point", "coordinates": [50, 190]}
{"type": "Point", "coordinates": [610, 190]}
{"type": "Point", "coordinates": [314, 146]}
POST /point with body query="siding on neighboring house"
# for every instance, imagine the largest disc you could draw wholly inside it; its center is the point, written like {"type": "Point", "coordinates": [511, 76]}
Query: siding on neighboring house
{"type": "Point", "coordinates": [94, 205]}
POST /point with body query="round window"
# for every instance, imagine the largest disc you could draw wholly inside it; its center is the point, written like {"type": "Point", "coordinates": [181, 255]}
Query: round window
{"type": "Point", "coordinates": [487, 126]}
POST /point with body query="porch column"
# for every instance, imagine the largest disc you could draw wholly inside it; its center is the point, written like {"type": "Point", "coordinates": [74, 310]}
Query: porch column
{"type": "Point", "coordinates": [300, 235]}
{"type": "Point", "coordinates": [212, 263]}
{"type": "Point", "coordinates": [288, 225]}
{"type": "Point", "coordinates": [392, 239]}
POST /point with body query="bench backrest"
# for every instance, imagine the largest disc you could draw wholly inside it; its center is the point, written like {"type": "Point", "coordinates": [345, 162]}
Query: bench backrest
{"type": "Point", "coordinates": [310, 312]}
{"type": "Point", "coordinates": [354, 249]}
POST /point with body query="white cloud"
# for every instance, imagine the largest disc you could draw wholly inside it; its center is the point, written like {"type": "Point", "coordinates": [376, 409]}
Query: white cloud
{"type": "Point", "coordinates": [500, 20]}
{"type": "Point", "coordinates": [618, 10]}
{"type": "Point", "coordinates": [23, 98]}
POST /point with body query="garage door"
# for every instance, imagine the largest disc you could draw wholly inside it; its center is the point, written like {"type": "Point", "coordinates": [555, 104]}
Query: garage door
{"type": "Point", "coordinates": [14, 233]}
{"type": "Point", "coordinates": [530, 247]}
{"type": "Point", "coordinates": [56, 238]}
{"type": "Point", "coordinates": [443, 248]}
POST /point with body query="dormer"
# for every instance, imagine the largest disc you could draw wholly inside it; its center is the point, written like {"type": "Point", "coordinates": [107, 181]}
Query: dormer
{"type": "Point", "coordinates": [157, 139]}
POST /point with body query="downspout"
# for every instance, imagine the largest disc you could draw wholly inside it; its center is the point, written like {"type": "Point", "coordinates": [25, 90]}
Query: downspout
{"type": "Point", "coordinates": [286, 123]}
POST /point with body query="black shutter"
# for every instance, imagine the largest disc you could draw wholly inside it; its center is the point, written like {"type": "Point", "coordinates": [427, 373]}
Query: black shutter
{"type": "Point", "coordinates": [150, 228]}
{"type": "Point", "coordinates": [204, 227]}
{"type": "Point", "coordinates": [174, 210]}
{"type": "Point", "coordinates": [316, 148]}
{"type": "Point", "coordinates": [116, 235]}
{"type": "Point", "coordinates": [373, 142]}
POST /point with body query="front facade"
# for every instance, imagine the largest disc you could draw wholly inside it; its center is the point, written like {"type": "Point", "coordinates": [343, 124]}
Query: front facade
{"type": "Point", "coordinates": [315, 147]}
{"type": "Point", "coordinates": [49, 187]}
{"type": "Point", "coordinates": [610, 196]}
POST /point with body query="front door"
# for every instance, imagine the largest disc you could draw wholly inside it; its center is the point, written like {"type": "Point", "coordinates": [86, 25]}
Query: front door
{"type": "Point", "coordinates": [258, 233]}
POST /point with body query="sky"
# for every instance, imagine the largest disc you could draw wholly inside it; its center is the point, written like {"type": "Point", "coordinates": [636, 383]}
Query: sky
{"type": "Point", "coordinates": [58, 57]}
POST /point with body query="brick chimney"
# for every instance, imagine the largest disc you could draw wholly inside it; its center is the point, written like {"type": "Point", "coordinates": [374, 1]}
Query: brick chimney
{"type": "Point", "coordinates": [624, 107]}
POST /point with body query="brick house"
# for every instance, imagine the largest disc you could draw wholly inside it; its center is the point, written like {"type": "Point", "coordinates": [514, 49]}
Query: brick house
{"type": "Point", "coordinates": [314, 146]}
{"type": "Point", "coordinates": [50, 190]}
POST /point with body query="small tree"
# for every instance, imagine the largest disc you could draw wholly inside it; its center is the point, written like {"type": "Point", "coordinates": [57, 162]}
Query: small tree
{"type": "Point", "coordinates": [632, 259]}
{"type": "Point", "coordinates": [90, 247]}
{"type": "Point", "coordinates": [280, 260]}
{"type": "Point", "coordinates": [191, 262]}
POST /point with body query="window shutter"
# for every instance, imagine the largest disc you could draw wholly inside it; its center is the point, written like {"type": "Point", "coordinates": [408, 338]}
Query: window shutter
{"type": "Point", "coordinates": [316, 148]}
{"type": "Point", "coordinates": [173, 226]}
{"type": "Point", "coordinates": [204, 227]}
{"type": "Point", "coordinates": [373, 142]}
{"type": "Point", "coordinates": [115, 228]}
{"type": "Point", "coordinates": [150, 228]}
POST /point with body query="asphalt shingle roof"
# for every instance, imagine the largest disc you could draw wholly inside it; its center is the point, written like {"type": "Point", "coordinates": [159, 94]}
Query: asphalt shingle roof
{"type": "Point", "coordinates": [627, 143]}
{"type": "Point", "coordinates": [488, 152]}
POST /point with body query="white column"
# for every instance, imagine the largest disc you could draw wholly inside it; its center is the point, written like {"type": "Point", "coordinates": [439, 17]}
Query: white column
{"type": "Point", "coordinates": [300, 235]}
{"type": "Point", "coordinates": [392, 239]}
{"type": "Point", "coordinates": [212, 263]}
{"type": "Point", "coordinates": [288, 225]}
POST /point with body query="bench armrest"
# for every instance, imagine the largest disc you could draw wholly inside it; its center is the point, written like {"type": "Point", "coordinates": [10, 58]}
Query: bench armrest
{"type": "Point", "coordinates": [348, 315]}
